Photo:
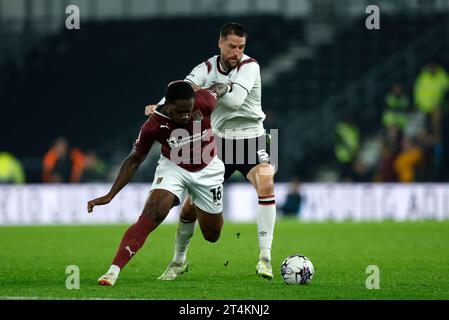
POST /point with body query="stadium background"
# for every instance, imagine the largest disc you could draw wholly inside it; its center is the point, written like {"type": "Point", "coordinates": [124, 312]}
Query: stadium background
{"type": "Point", "coordinates": [321, 67]}
{"type": "Point", "coordinates": [326, 82]}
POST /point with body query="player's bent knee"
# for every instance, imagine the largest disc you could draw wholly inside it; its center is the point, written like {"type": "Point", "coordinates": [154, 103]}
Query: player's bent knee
{"type": "Point", "coordinates": [212, 236]}
{"type": "Point", "coordinates": [265, 186]}
{"type": "Point", "coordinates": [156, 212]}
{"type": "Point", "coordinates": [156, 216]}
{"type": "Point", "coordinates": [265, 170]}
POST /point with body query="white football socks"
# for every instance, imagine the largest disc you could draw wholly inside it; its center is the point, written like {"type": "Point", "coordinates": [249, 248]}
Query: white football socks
{"type": "Point", "coordinates": [114, 269]}
{"type": "Point", "coordinates": [266, 218]}
{"type": "Point", "coordinates": [184, 233]}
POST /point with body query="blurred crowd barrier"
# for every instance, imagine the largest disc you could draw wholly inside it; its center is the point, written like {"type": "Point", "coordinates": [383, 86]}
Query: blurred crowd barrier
{"type": "Point", "coordinates": [67, 204]}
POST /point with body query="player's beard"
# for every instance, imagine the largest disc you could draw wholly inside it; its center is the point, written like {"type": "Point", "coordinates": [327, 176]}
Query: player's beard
{"type": "Point", "coordinates": [227, 65]}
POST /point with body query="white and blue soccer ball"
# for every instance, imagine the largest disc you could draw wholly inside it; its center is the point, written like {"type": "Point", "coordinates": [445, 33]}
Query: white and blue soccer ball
{"type": "Point", "coordinates": [297, 269]}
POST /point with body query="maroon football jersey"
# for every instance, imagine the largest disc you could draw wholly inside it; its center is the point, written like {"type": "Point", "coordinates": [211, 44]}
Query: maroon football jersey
{"type": "Point", "coordinates": [191, 146]}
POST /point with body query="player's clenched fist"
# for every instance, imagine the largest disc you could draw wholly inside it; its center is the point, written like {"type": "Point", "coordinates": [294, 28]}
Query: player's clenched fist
{"type": "Point", "coordinates": [150, 109]}
{"type": "Point", "coordinates": [98, 202]}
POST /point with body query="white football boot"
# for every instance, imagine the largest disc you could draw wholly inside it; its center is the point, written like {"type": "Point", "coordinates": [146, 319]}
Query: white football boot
{"type": "Point", "coordinates": [108, 279]}
{"type": "Point", "coordinates": [264, 269]}
{"type": "Point", "coordinates": [173, 270]}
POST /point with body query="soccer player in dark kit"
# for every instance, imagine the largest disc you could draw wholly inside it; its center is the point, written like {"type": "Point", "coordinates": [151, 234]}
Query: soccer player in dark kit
{"type": "Point", "coordinates": [188, 162]}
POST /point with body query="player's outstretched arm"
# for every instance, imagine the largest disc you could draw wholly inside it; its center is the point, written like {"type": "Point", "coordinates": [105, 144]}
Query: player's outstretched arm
{"type": "Point", "coordinates": [127, 170]}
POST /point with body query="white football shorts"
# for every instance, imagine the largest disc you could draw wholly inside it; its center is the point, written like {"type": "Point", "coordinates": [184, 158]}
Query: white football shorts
{"type": "Point", "coordinates": [205, 186]}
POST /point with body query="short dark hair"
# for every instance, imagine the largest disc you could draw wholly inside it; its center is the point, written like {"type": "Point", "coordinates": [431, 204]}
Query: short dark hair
{"type": "Point", "coordinates": [180, 90]}
{"type": "Point", "coordinates": [233, 28]}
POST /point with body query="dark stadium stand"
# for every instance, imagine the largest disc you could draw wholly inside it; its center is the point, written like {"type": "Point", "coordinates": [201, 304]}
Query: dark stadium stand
{"type": "Point", "coordinates": [122, 66]}
{"type": "Point", "coordinates": [346, 61]}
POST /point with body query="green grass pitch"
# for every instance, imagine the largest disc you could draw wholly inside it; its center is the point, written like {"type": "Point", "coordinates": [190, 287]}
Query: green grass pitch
{"type": "Point", "coordinates": [413, 259]}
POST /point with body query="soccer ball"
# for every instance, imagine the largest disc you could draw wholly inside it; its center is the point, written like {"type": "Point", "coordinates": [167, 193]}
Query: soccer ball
{"type": "Point", "coordinates": [297, 269]}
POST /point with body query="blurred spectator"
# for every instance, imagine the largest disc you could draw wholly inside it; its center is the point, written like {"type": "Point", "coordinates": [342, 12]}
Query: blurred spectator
{"type": "Point", "coordinates": [62, 165]}
{"type": "Point", "coordinates": [361, 172]}
{"type": "Point", "coordinates": [445, 138]}
{"type": "Point", "coordinates": [431, 89]}
{"type": "Point", "coordinates": [408, 160]}
{"type": "Point", "coordinates": [396, 107]}
{"type": "Point", "coordinates": [11, 171]}
{"type": "Point", "coordinates": [431, 86]}
{"type": "Point", "coordinates": [77, 157]}
{"type": "Point", "coordinates": [94, 168]}
{"type": "Point", "coordinates": [347, 143]}
{"type": "Point", "coordinates": [386, 171]}
{"type": "Point", "coordinates": [293, 201]}
{"type": "Point", "coordinates": [391, 147]}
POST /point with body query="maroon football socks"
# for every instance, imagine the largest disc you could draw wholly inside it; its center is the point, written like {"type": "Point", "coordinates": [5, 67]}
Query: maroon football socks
{"type": "Point", "coordinates": [133, 240]}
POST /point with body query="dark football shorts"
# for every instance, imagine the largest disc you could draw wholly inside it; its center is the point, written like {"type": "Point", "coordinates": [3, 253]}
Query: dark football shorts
{"type": "Point", "coordinates": [243, 154]}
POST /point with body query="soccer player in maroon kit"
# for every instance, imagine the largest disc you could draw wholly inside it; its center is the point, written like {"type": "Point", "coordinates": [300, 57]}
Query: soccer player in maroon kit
{"type": "Point", "coordinates": [188, 162]}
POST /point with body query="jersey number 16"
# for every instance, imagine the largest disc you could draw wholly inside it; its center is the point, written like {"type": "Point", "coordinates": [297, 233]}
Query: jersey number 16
{"type": "Point", "coordinates": [216, 194]}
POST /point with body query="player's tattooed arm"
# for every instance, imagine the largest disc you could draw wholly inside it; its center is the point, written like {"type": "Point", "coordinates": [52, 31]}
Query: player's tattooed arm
{"type": "Point", "coordinates": [220, 89]}
{"type": "Point", "coordinates": [126, 172]}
